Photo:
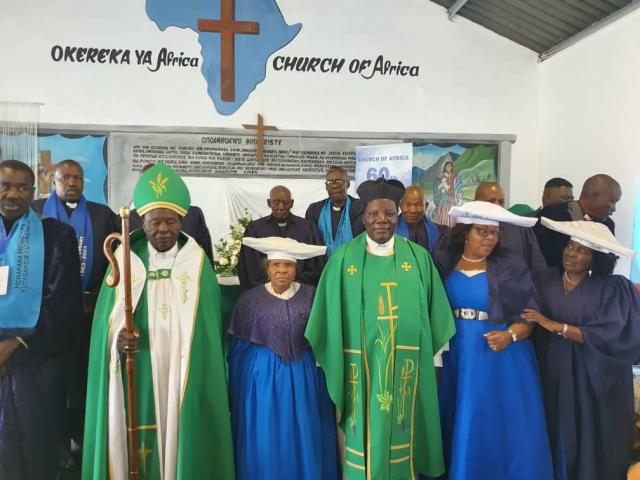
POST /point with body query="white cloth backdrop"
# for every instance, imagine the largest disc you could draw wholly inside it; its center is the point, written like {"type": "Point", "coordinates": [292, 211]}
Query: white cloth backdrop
{"type": "Point", "coordinates": [223, 200]}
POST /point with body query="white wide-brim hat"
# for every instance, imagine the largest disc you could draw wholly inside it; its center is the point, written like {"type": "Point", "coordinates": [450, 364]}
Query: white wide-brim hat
{"type": "Point", "coordinates": [593, 235]}
{"type": "Point", "coordinates": [282, 248]}
{"type": "Point", "coordinates": [487, 213]}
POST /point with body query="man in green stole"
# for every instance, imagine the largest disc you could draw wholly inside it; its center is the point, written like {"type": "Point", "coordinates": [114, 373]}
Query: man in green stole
{"type": "Point", "coordinates": [181, 390]}
{"type": "Point", "coordinates": [379, 316]}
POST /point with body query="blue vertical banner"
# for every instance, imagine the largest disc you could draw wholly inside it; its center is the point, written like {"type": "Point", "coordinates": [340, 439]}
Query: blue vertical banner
{"type": "Point", "coordinates": [388, 161]}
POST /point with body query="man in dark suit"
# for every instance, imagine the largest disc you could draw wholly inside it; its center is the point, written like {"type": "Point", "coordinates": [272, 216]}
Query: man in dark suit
{"type": "Point", "coordinates": [193, 224]}
{"type": "Point", "coordinates": [339, 217]}
{"type": "Point", "coordinates": [597, 202]}
{"type": "Point", "coordinates": [91, 222]}
{"type": "Point", "coordinates": [281, 223]}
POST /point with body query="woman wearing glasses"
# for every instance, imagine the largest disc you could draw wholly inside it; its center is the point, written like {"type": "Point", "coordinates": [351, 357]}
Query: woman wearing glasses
{"type": "Point", "coordinates": [491, 406]}
{"type": "Point", "coordinates": [590, 325]}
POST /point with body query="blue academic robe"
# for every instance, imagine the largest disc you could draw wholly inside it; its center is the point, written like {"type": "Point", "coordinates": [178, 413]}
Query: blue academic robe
{"type": "Point", "coordinates": [32, 387]}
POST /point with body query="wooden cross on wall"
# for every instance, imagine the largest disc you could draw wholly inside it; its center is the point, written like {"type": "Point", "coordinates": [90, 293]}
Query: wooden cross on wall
{"type": "Point", "coordinates": [260, 129]}
{"type": "Point", "coordinates": [228, 27]}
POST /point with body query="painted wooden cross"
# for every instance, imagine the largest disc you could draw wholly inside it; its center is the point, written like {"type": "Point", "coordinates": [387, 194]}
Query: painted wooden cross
{"type": "Point", "coordinates": [260, 129]}
{"type": "Point", "coordinates": [228, 27]}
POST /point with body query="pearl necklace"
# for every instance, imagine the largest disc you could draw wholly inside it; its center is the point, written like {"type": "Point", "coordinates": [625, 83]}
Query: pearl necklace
{"type": "Point", "coordinates": [474, 261]}
{"type": "Point", "coordinates": [566, 277]}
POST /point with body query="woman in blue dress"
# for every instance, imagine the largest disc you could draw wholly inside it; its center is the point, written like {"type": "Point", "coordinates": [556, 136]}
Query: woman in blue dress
{"type": "Point", "coordinates": [282, 418]}
{"type": "Point", "coordinates": [589, 326]}
{"type": "Point", "coordinates": [491, 405]}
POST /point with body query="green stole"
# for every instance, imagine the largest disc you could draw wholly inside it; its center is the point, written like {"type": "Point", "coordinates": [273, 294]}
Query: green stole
{"type": "Point", "coordinates": [380, 377]}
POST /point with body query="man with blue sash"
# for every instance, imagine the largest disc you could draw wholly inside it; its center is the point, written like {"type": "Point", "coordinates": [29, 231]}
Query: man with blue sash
{"type": "Point", "coordinates": [39, 303]}
{"type": "Point", "coordinates": [413, 224]}
{"type": "Point", "coordinates": [92, 222]}
{"type": "Point", "coordinates": [339, 217]}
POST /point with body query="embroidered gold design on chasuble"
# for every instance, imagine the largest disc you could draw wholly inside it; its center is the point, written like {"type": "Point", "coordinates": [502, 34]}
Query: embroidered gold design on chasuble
{"type": "Point", "coordinates": [352, 270]}
{"type": "Point", "coordinates": [183, 280]}
{"type": "Point", "coordinates": [387, 312]}
{"type": "Point", "coordinates": [406, 266]}
{"type": "Point", "coordinates": [353, 395]}
{"type": "Point", "coordinates": [143, 453]}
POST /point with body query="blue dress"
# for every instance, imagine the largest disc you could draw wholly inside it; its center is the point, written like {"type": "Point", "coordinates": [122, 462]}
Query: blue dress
{"type": "Point", "coordinates": [492, 415]}
{"type": "Point", "coordinates": [282, 418]}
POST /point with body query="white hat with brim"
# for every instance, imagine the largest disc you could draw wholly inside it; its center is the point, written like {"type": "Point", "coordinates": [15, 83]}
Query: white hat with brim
{"type": "Point", "coordinates": [487, 213]}
{"type": "Point", "coordinates": [593, 235]}
{"type": "Point", "coordinates": [281, 248]}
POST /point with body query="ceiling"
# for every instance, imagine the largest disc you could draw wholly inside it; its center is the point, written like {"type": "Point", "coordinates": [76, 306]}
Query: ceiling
{"type": "Point", "coordinates": [544, 26]}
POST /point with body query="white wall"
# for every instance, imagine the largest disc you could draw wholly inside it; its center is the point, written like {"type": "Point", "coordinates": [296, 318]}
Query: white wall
{"type": "Point", "coordinates": [590, 115]}
{"type": "Point", "coordinates": [471, 80]}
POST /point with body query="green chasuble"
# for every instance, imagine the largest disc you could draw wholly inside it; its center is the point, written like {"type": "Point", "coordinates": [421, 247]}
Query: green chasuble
{"type": "Point", "coordinates": [374, 328]}
{"type": "Point", "coordinates": [197, 434]}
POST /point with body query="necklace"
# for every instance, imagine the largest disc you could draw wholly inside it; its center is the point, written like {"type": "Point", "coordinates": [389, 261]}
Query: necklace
{"type": "Point", "coordinates": [566, 277]}
{"type": "Point", "coordinates": [473, 261]}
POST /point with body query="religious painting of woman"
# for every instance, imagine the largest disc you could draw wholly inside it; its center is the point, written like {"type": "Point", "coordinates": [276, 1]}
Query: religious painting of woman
{"type": "Point", "coordinates": [447, 194]}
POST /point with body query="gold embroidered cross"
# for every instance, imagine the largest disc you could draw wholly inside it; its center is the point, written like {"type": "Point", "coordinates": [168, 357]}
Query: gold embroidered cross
{"type": "Point", "coordinates": [406, 266]}
{"type": "Point", "coordinates": [352, 270]}
{"type": "Point", "coordinates": [164, 309]}
{"type": "Point", "coordinates": [183, 280]}
{"type": "Point", "coordinates": [144, 452]}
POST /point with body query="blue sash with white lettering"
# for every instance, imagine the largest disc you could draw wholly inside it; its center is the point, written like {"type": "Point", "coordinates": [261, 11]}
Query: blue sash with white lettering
{"type": "Point", "coordinates": [80, 221]}
{"type": "Point", "coordinates": [343, 232]}
{"type": "Point", "coordinates": [22, 250]}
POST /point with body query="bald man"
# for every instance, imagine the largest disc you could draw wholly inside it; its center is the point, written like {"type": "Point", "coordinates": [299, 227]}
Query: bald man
{"type": "Point", "coordinates": [412, 223]}
{"type": "Point", "coordinates": [281, 223]}
{"type": "Point", "coordinates": [520, 240]}
{"type": "Point", "coordinates": [597, 202]}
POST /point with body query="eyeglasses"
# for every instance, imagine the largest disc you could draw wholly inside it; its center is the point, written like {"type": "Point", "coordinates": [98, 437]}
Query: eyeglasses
{"type": "Point", "coordinates": [486, 232]}
{"type": "Point", "coordinates": [21, 188]}
{"type": "Point", "coordinates": [339, 182]}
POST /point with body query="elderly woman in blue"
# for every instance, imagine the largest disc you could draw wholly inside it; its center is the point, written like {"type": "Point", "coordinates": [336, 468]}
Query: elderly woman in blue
{"type": "Point", "coordinates": [491, 404]}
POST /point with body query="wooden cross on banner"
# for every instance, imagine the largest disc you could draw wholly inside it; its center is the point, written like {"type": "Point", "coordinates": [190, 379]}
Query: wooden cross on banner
{"type": "Point", "coordinates": [228, 27]}
{"type": "Point", "coordinates": [261, 128]}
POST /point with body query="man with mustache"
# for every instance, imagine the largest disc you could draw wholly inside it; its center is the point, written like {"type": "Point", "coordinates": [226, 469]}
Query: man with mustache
{"type": "Point", "coordinates": [339, 217]}
{"type": "Point", "coordinates": [40, 304]}
{"type": "Point", "coordinates": [413, 223]}
{"type": "Point", "coordinates": [379, 315]}
{"type": "Point", "coordinates": [92, 223]}
{"type": "Point", "coordinates": [281, 223]}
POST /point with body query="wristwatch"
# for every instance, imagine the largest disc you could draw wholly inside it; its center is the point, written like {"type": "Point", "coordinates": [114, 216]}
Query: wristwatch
{"type": "Point", "coordinates": [514, 335]}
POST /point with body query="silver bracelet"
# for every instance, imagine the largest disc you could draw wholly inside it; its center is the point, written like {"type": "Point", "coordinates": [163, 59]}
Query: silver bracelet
{"type": "Point", "coordinates": [564, 331]}
{"type": "Point", "coordinates": [514, 335]}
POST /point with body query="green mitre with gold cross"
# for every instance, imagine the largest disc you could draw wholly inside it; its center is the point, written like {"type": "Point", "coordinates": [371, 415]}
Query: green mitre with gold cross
{"type": "Point", "coordinates": [161, 187]}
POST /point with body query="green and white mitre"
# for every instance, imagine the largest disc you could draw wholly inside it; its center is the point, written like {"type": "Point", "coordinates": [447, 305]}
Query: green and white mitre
{"type": "Point", "coordinates": [161, 187]}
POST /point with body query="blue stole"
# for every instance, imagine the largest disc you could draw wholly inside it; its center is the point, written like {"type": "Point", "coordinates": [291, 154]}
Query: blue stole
{"type": "Point", "coordinates": [80, 221]}
{"type": "Point", "coordinates": [22, 249]}
{"type": "Point", "coordinates": [433, 234]}
{"type": "Point", "coordinates": [343, 232]}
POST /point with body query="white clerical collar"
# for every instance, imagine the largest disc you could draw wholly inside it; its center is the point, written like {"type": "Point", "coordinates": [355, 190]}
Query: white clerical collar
{"type": "Point", "coordinates": [287, 294]}
{"type": "Point", "coordinates": [336, 209]}
{"type": "Point", "coordinates": [380, 249]}
{"type": "Point", "coordinates": [71, 205]}
{"type": "Point", "coordinates": [162, 259]}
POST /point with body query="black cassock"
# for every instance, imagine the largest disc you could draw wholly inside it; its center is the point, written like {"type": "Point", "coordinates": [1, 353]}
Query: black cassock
{"type": "Point", "coordinates": [552, 243]}
{"type": "Point", "coordinates": [588, 388]}
{"type": "Point", "coordinates": [355, 215]}
{"type": "Point", "coordinates": [193, 224]}
{"type": "Point", "coordinates": [32, 389]}
{"type": "Point", "coordinates": [251, 264]}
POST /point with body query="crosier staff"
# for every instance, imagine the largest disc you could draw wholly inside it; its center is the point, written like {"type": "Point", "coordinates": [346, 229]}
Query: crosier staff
{"type": "Point", "coordinates": [112, 281]}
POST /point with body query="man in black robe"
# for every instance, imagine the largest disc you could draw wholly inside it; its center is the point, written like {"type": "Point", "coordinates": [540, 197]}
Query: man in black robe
{"type": "Point", "coordinates": [556, 190]}
{"type": "Point", "coordinates": [339, 217]}
{"type": "Point", "coordinates": [597, 202]}
{"type": "Point", "coordinates": [33, 361]}
{"type": "Point", "coordinates": [281, 223]}
{"type": "Point", "coordinates": [193, 224]}
{"type": "Point", "coordinates": [68, 179]}
{"type": "Point", "coordinates": [413, 223]}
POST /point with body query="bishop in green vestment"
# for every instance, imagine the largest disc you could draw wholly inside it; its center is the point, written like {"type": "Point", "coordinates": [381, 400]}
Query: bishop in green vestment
{"type": "Point", "coordinates": [183, 427]}
{"type": "Point", "coordinates": [379, 316]}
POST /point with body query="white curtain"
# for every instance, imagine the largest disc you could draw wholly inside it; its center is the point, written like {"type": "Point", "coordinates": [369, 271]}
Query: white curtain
{"type": "Point", "coordinates": [19, 132]}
